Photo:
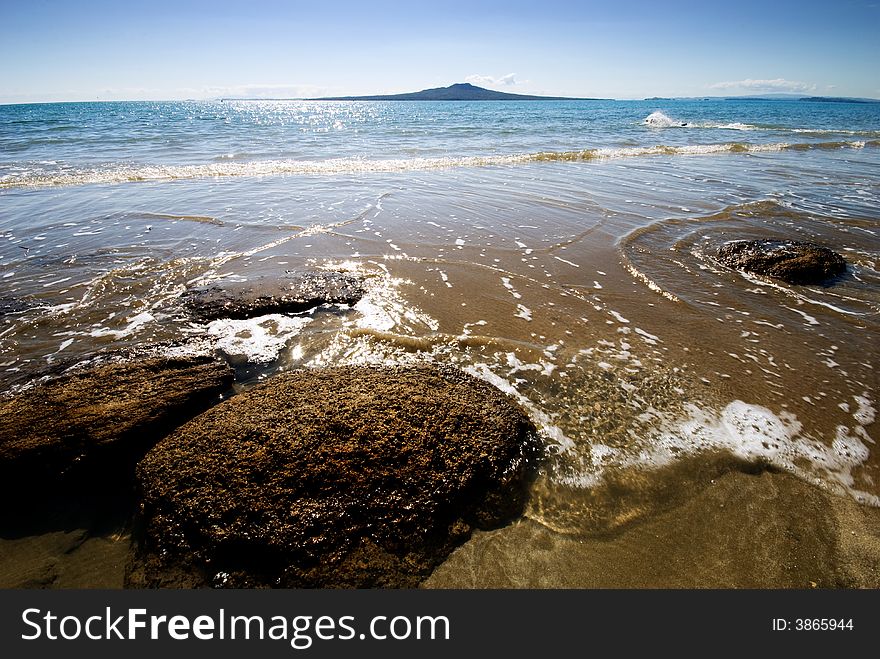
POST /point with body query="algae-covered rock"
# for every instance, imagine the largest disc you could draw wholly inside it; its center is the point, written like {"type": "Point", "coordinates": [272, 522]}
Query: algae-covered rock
{"type": "Point", "coordinates": [337, 477]}
{"type": "Point", "coordinates": [290, 294]}
{"type": "Point", "coordinates": [100, 417]}
{"type": "Point", "coordinates": [791, 261]}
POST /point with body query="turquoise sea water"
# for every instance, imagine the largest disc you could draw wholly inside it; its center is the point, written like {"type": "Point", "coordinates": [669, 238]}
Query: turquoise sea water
{"type": "Point", "coordinates": [561, 250]}
{"type": "Point", "coordinates": [110, 142]}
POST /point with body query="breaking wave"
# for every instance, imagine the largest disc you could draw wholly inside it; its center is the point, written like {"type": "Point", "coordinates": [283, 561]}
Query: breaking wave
{"type": "Point", "coordinates": [660, 120]}
{"type": "Point", "coordinates": [141, 173]}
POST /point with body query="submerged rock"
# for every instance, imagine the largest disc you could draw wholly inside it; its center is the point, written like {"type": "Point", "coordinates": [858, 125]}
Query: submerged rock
{"type": "Point", "coordinates": [14, 305]}
{"type": "Point", "coordinates": [291, 294]}
{"type": "Point", "coordinates": [791, 261]}
{"type": "Point", "coordinates": [338, 477]}
{"type": "Point", "coordinates": [107, 416]}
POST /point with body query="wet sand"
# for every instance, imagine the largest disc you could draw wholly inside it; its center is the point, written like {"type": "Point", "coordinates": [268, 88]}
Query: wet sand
{"type": "Point", "coordinates": [67, 542]}
{"type": "Point", "coordinates": [759, 530]}
{"type": "Point", "coordinates": [702, 428]}
{"type": "Point", "coordinates": [766, 530]}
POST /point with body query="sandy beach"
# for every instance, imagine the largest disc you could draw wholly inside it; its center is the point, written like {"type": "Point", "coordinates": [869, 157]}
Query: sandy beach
{"type": "Point", "coordinates": [700, 426]}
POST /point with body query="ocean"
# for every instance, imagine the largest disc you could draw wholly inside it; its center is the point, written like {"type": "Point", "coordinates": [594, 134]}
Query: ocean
{"type": "Point", "coordinates": [561, 250]}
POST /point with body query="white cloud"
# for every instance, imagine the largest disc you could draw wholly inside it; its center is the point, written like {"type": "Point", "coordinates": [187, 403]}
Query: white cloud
{"type": "Point", "coordinates": [774, 85]}
{"type": "Point", "coordinates": [501, 81]}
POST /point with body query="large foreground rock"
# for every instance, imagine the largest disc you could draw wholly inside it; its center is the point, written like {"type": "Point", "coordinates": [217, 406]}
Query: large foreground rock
{"type": "Point", "coordinates": [340, 477]}
{"type": "Point", "coordinates": [791, 261]}
{"type": "Point", "coordinates": [291, 294]}
{"type": "Point", "coordinates": [101, 418]}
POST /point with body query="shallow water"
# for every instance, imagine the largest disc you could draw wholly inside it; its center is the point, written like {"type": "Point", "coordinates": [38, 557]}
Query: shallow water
{"type": "Point", "coordinates": [581, 282]}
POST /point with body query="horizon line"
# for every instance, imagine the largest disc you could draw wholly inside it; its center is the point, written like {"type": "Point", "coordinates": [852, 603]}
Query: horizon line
{"type": "Point", "coordinates": [780, 96]}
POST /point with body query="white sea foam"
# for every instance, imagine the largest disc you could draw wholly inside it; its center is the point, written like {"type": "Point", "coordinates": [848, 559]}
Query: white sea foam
{"type": "Point", "coordinates": [467, 331]}
{"type": "Point", "coordinates": [551, 432]}
{"type": "Point", "coordinates": [651, 284]}
{"type": "Point", "coordinates": [506, 282]}
{"type": "Point", "coordinates": [651, 339]}
{"type": "Point", "coordinates": [134, 322]}
{"type": "Point", "coordinates": [736, 125]}
{"type": "Point", "coordinates": [865, 414]}
{"type": "Point", "coordinates": [342, 166]}
{"type": "Point", "coordinates": [835, 131]}
{"type": "Point", "coordinates": [383, 308]}
{"type": "Point", "coordinates": [64, 344]}
{"type": "Point", "coordinates": [810, 320]}
{"type": "Point", "coordinates": [256, 340]}
{"type": "Point", "coordinates": [750, 432]}
{"type": "Point", "coordinates": [660, 120]}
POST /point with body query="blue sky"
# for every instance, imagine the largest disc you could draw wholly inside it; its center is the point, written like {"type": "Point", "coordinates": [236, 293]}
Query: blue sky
{"type": "Point", "coordinates": [53, 51]}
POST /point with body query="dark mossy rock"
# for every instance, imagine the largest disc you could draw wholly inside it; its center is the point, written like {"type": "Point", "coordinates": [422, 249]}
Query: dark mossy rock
{"type": "Point", "coordinates": [791, 261]}
{"type": "Point", "coordinates": [100, 421]}
{"type": "Point", "coordinates": [291, 294]}
{"type": "Point", "coordinates": [338, 477]}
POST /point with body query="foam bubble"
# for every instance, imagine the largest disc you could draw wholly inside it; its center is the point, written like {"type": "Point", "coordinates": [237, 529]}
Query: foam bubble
{"type": "Point", "coordinates": [810, 320]}
{"type": "Point", "coordinates": [865, 414]}
{"type": "Point", "coordinates": [506, 282]}
{"type": "Point", "coordinates": [134, 322]}
{"type": "Point", "coordinates": [383, 309]}
{"type": "Point", "coordinates": [651, 339]}
{"type": "Point", "coordinates": [523, 312]}
{"type": "Point", "coordinates": [255, 340]}
{"type": "Point", "coordinates": [752, 433]}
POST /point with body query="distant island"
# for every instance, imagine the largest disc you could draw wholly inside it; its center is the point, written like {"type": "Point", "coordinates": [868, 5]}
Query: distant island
{"type": "Point", "coordinates": [464, 91]}
{"type": "Point", "coordinates": [768, 97]}
{"type": "Point", "coordinates": [461, 91]}
{"type": "Point", "coordinates": [794, 97]}
{"type": "Point", "coordinates": [837, 99]}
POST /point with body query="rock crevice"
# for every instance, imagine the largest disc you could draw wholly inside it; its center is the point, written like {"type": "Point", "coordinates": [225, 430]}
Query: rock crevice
{"type": "Point", "coordinates": [100, 419]}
